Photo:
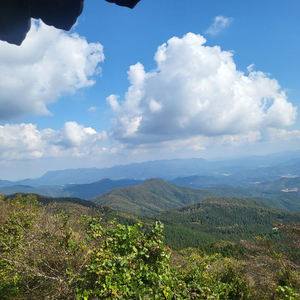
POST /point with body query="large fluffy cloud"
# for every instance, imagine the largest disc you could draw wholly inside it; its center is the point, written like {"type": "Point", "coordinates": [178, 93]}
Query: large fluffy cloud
{"type": "Point", "coordinates": [195, 91]}
{"type": "Point", "coordinates": [25, 141]}
{"type": "Point", "coordinates": [47, 65]}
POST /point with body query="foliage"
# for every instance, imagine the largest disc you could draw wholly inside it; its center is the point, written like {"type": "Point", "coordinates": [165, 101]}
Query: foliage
{"type": "Point", "coordinates": [58, 257]}
{"type": "Point", "coordinates": [213, 277]}
{"type": "Point", "coordinates": [126, 264]}
{"type": "Point", "coordinates": [215, 219]}
{"type": "Point", "coordinates": [39, 252]}
{"type": "Point", "coordinates": [285, 292]}
{"type": "Point", "coordinates": [46, 254]}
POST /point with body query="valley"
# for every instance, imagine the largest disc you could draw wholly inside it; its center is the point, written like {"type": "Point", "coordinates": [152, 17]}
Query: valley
{"type": "Point", "coordinates": [242, 220]}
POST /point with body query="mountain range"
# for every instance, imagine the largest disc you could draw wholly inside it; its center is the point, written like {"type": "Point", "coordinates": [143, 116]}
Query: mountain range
{"type": "Point", "coordinates": [235, 171]}
{"type": "Point", "coordinates": [272, 179]}
{"type": "Point", "coordinates": [155, 195]}
{"type": "Point", "coordinates": [192, 217]}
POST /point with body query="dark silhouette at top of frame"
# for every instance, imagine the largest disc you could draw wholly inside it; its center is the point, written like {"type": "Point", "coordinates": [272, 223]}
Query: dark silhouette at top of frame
{"type": "Point", "coordinates": [15, 15]}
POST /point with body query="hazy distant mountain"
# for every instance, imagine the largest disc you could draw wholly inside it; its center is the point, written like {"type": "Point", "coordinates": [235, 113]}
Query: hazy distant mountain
{"type": "Point", "coordinates": [152, 196]}
{"type": "Point", "coordinates": [4, 183]}
{"type": "Point", "coordinates": [284, 184]}
{"type": "Point", "coordinates": [86, 191]}
{"type": "Point", "coordinates": [140, 171]}
{"type": "Point", "coordinates": [83, 191]}
{"type": "Point", "coordinates": [271, 173]}
{"type": "Point", "coordinates": [206, 181]}
{"type": "Point", "coordinates": [45, 191]}
{"type": "Point", "coordinates": [19, 189]}
{"type": "Point", "coordinates": [231, 172]}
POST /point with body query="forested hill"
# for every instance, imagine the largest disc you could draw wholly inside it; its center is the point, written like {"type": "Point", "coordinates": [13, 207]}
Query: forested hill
{"type": "Point", "coordinates": [47, 200]}
{"type": "Point", "coordinates": [289, 201]}
{"type": "Point", "coordinates": [221, 218]}
{"type": "Point", "coordinates": [74, 207]}
{"type": "Point", "coordinates": [151, 197]}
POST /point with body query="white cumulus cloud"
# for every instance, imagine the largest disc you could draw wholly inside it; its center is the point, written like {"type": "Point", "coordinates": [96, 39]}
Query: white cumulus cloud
{"type": "Point", "coordinates": [25, 141]}
{"type": "Point", "coordinates": [47, 65]}
{"type": "Point", "coordinates": [219, 24]}
{"type": "Point", "coordinates": [197, 91]}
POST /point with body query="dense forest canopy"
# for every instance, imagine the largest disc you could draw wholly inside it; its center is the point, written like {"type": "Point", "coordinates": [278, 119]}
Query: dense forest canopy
{"type": "Point", "coordinates": [49, 253]}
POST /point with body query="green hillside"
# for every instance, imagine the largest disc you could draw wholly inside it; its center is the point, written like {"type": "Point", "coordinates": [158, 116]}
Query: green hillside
{"type": "Point", "coordinates": [75, 207]}
{"type": "Point", "coordinates": [222, 218]}
{"type": "Point", "coordinates": [151, 197]}
{"type": "Point", "coordinates": [275, 198]}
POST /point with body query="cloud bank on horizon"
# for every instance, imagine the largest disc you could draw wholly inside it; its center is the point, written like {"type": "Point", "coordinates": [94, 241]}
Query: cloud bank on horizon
{"type": "Point", "coordinates": [25, 141]}
{"type": "Point", "coordinates": [197, 94]}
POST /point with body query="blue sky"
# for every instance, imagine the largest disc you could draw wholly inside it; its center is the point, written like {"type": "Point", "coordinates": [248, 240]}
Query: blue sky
{"type": "Point", "coordinates": [167, 79]}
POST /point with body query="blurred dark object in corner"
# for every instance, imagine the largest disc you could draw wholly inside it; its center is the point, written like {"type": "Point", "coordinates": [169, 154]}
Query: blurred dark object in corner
{"type": "Point", "coordinates": [127, 3]}
{"type": "Point", "coordinates": [15, 15]}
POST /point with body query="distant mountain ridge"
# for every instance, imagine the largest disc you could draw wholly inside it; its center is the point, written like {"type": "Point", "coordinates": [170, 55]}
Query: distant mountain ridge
{"type": "Point", "coordinates": [139, 171]}
{"type": "Point", "coordinates": [284, 184]}
{"type": "Point", "coordinates": [270, 178]}
{"type": "Point", "coordinates": [87, 191]}
{"type": "Point", "coordinates": [243, 170]}
{"type": "Point", "coordinates": [283, 193]}
{"type": "Point", "coordinates": [206, 181]}
{"type": "Point", "coordinates": [4, 183]}
{"type": "Point", "coordinates": [83, 191]}
{"type": "Point", "coordinates": [18, 189]}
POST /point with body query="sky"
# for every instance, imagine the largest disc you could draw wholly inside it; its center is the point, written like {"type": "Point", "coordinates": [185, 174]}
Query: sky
{"type": "Point", "coordinates": [168, 79]}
